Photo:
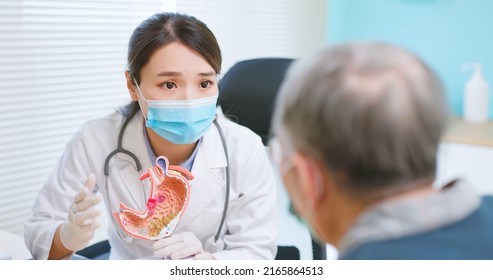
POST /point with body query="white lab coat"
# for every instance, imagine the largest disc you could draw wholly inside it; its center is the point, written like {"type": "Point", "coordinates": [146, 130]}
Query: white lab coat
{"type": "Point", "coordinates": [250, 229]}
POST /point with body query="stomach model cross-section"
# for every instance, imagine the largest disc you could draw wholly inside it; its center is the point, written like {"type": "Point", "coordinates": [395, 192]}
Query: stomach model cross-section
{"type": "Point", "coordinates": [168, 198]}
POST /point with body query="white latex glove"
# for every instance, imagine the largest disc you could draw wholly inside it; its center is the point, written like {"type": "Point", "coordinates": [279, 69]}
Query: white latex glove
{"type": "Point", "coordinates": [204, 256]}
{"type": "Point", "coordinates": [179, 246]}
{"type": "Point", "coordinates": [81, 224]}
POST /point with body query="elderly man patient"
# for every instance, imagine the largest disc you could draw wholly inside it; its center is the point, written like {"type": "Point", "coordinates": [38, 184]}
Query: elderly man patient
{"type": "Point", "coordinates": [357, 129]}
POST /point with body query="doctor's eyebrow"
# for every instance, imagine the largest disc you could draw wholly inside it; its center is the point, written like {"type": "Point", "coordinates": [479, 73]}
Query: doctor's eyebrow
{"type": "Point", "coordinates": [168, 73]}
{"type": "Point", "coordinates": [212, 73]}
{"type": "Point", "coordinates": [174, 73]}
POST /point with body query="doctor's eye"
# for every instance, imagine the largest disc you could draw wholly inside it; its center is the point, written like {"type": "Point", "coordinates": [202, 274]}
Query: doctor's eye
{"type": "Point", "coordinates": [169, 85]}
{"type": "Point", "coordinates": [205, 84]}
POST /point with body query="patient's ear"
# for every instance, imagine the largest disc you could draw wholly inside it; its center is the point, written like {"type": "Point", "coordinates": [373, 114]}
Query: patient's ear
{"type": "Point", "coordinates": [131, 86]}
{"type": "Point", "coordinates": [311, 177]}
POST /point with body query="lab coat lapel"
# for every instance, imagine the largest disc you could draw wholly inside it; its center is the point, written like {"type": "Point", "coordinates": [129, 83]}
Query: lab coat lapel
{"type": "Point", "coordinates": [209, 181]}
{"type": "Point", "coordinates": [133, 141]}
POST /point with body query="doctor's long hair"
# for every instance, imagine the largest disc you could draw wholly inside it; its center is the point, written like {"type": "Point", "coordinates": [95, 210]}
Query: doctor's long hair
{"type": "Point", "coordinates": [162, 29]}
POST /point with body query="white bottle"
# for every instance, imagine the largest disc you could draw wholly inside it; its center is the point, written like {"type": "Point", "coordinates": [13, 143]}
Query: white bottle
{"type": "Point", "coordinates": [476, 97]}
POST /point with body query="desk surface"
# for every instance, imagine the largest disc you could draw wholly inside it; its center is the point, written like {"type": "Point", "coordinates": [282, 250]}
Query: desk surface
{"type": "Point", "coordinates": [14, 246]}
{"type": "Point", "coordinates": [460, 131]}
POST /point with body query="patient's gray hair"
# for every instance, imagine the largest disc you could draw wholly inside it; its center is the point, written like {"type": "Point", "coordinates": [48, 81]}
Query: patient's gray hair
{"type": "Point", "coordinates": [373, 111]}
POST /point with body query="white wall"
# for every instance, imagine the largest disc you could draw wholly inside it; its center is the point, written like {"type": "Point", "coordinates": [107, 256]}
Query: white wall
{"type": "Point", "coordinates": [259, 28]}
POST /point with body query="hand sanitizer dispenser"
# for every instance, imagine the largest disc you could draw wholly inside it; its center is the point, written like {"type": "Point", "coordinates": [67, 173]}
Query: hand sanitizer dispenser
{"type": "Point", "coordinates": [476, 97]}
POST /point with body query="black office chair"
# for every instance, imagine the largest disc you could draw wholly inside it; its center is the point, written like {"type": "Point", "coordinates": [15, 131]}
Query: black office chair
{"type": "Point", "coordinates": [247, 94]}
{"type": "Point", "coordinates": [97, 251]}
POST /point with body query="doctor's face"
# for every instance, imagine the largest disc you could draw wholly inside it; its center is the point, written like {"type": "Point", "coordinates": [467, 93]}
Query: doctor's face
{"type": "Point", "coordinates": [175, 72]}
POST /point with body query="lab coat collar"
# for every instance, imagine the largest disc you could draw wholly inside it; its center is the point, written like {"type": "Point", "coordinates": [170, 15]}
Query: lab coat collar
{"type": "Point", "coordinates": [213, 150]}
{"type": "Point", "coordinates": [209, 172]}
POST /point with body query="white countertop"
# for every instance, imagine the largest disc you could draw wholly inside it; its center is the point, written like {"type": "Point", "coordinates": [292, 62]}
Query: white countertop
{"type": "Point", "coordinates": [460, 131]}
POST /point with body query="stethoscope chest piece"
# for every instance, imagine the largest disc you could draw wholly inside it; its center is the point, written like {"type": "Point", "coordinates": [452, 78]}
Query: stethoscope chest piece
{"type": "Point", "coordinates": [214, 246]}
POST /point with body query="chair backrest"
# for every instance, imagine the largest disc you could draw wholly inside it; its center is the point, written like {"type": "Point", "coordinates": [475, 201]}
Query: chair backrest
{"type": "Point", "coordinates": [97, 251]}
{"type": "Point", "coordinates": [247, 92]}
{"type": "Point", "coordinates": [287, 253]}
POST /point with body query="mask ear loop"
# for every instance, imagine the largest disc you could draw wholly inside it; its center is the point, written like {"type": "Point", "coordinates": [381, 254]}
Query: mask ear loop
{"type": "Point", "coordinates": [139, 93]}
{"type": "Point", "coordinates": [319, 185]}
{"type": "Point", "coordinates": [319, 193]}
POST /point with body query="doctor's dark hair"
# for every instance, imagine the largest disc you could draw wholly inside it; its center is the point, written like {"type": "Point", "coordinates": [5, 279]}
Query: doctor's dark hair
{"type": "Point", "coordinates": [162, 29]}
{"type": "Point", "coordinates": [373, 113]}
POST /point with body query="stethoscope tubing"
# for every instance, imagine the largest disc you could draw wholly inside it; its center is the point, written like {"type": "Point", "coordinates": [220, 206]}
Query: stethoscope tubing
{"type": "Point", "coordinates": [120, 149]}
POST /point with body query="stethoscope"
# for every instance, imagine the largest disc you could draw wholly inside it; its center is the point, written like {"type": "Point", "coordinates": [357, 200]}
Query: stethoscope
{"type": "Point", "coordinates": [120, 149]}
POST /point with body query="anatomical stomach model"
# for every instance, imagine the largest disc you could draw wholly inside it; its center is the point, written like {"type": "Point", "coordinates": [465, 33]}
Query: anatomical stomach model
{"type": "Point", "coordinates": [168, 198]}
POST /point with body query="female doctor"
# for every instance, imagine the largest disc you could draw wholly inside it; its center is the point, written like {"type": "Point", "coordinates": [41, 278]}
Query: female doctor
{"type": "Point", "coordinates": [173, 62]}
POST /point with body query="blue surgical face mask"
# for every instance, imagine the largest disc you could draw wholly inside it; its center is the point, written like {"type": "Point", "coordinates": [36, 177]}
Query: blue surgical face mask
{"type": "Point", "coordinates": [180, 121]}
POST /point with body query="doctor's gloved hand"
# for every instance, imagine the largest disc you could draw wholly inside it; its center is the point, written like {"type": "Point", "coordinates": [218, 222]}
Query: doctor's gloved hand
{"type": "Point", "coordinates": [180, 246]}
{"type": "Point", "coordinates": [81, 224]}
